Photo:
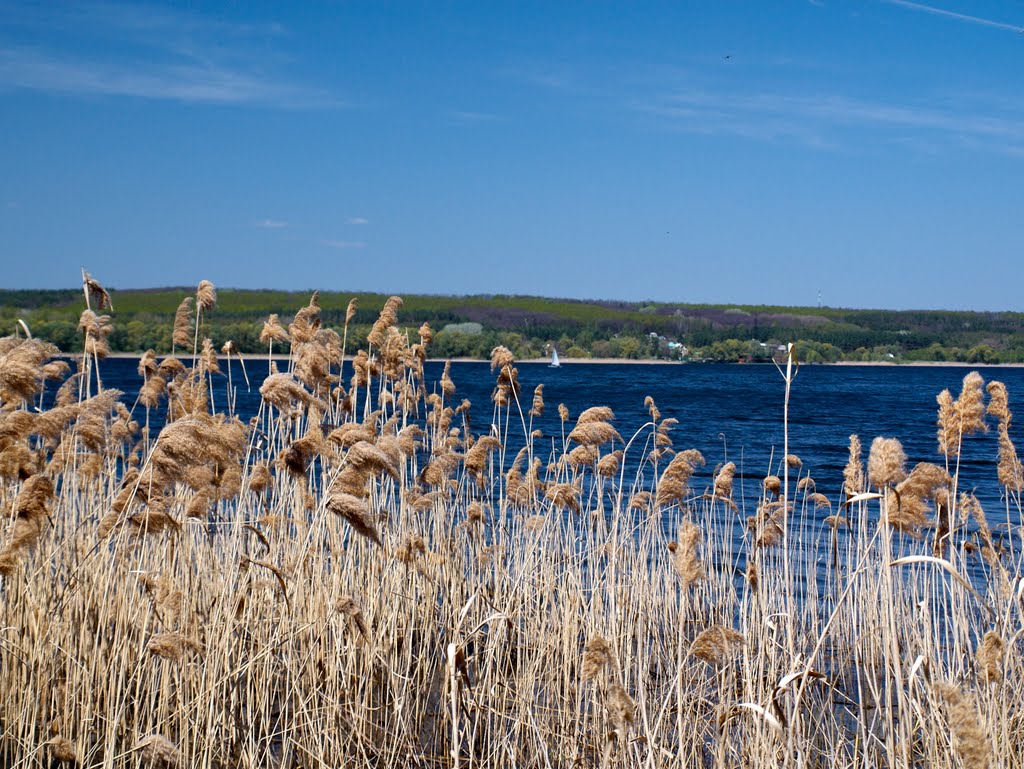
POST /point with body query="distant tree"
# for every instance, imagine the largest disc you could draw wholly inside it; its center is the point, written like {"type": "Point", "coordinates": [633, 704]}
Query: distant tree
{"type": "Point", "coordinates": [576, 352]}
{"type": "Point", "coordinates": [982, 353]}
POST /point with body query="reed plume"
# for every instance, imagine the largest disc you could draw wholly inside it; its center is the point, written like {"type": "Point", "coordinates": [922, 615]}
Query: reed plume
{"type": "Point", "coordinates": [970, 739]}
{"type": "Point", "coordinates": [853, 473]}
{"type": "Point", "coordinates": [206, 296]}
{"type": "Point", "coordinates": [819, 500]}
{"type": "Point", "coordinates": [608, 465]}
{"type": "Point", "coordinates": [273, 331]}
{"type": "Point", "coordinates": [97, 329]}
{"type": "Point", "coordinates": [208, 357]}
{"type": "Point", "coordinates": [411, 548]}
{"type": "Point", "coordinates": [388, 317]}
{"type": "Point", "coordinates": [507, 386]}
{"type": "Point", "coordinates": [886, 462]}
{"type": "Point", "coordinates": [439, 469]}
{"type": "Point", "coordinates": [63, 751]}
{"type": "Point", "coordinates": [297, 456]}
{"type": "Point", "coordinates": [351, 610]}
{"type": "Point", "coordinates": [283, 392]}
{"type": "Point", "coordinates": [171, 368]}
{"type": "Point", "coordinates": [1009, 470]}
{"type": "Point", "coordinates": [306, 322]}
{"type": "Point", "coordinates": [55, 370]}
{"type": "Point", "coordinates": [478, 456]}
{"type": "Point", "coordinates": [716, 644]}
{"type": "Point", "coordinates": [501, 357]}
{"type": "Point", "coordinates": [370, 458]}
{"type": "Point", "coordinates": [182, 334]}
{"type": "Point", "coordinates": [147, 364]}
{"type": "Point", "coordinates": [963, 416]}
{"type": "Point", "coordinates": [447, 385]}
{"type": "Point", "coordinates": [171, 646]}
{"type": "Point", "coordinates": [356, 512]}
{"type": "Point", "coordinates": [990, 655]}
{"type": "Point", "coordinates": [596, 657]}
{"type": "Point", "coordinates": [724, 480]}
{"type": "Point", "coordinates": [998, 402]}
{"type": "Point", "coordinates": [907, 513]}
{"type": "Point", "coordinates": [352, 433]}
{"type": "Point", "coordinates": [565, 495]}
{"type": "Point", "coordinates": [537, 409]}
{"type": "Point", "coordinates": [21, 376]}
{"type": "Point", "coordinates": [158, 752]}
{"type": "Point", "coordinates": [30, 511]}
{"type": "Point", "coordinates": [673, 485]}
{"type": "Point", "coordinates": [94, 292]}
{"type": "Point", "coordinates": [685, 557]}
{"type": "Point", "coordinates": [595, 414]}
{"type": "Point", "coordinates": [621, 707]}
{"type": "Point", "coordinates": [594, 434]}
{"type": "Point", "coordinates": [260, 479]}
{"type": "Point", "coordinates": [652, 409]}
{"type": "Point", "coordinates": [426, 334]}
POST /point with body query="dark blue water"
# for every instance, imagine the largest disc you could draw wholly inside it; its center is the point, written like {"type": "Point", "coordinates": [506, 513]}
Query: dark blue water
{"type": "Point", "coordinates": [728, 412]}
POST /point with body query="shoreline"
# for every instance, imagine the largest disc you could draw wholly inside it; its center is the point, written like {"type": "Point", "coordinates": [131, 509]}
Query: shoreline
{"type": "Point", "coordinates": [247, 357]}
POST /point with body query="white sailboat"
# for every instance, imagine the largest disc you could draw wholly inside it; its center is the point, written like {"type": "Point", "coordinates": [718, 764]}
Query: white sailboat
{"type": "Point", "coordinates": [554, 359]}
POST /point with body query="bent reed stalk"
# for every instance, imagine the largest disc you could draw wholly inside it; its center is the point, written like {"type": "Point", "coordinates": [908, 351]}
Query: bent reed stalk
{"type": "Point", "coordinates": [356, 577]}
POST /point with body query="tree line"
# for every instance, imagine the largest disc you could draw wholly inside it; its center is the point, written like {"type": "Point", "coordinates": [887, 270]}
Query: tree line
{"type": "Point", "coordinates": [530, 326]}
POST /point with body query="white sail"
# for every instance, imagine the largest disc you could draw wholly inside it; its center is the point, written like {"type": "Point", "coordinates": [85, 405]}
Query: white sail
{"type": "Point", "coordinates": [554, 358]}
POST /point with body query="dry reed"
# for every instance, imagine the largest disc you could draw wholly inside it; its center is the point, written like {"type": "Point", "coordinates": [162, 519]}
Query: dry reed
{"type": "Point", "coordinates": [386, 585]}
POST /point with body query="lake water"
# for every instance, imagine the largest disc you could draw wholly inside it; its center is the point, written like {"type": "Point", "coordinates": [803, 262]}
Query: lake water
{"type": "Point", "coordinates": [728, 412]}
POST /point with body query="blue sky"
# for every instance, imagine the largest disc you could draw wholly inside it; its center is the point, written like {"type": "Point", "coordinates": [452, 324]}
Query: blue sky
{"type": "Point", "coordinates": [734, 152]}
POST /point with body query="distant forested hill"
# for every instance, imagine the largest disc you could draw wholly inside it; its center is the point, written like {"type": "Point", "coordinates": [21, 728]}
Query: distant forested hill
{"type": "Point", "coordinates": [471, 326]}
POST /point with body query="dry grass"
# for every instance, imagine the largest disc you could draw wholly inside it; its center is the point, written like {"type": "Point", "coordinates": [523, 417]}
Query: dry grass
{"type": "Point", "coordinates": [356, 578]}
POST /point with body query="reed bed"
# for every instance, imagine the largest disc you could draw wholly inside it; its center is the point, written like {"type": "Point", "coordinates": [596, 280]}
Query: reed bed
{"type": "Point", "coordinates": [365, 574]}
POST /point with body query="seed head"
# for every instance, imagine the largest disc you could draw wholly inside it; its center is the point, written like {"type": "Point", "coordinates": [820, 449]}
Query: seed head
{"type": "Point", "coordinates": [886, 462]}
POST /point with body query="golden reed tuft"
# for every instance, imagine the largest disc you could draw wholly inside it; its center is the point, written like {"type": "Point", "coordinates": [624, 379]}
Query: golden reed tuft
{"type": "Point", "coordinates": [724, 480]}
{"type": "Point", "coordinates": [716, 644]}
{"type": "Point", "coordinates": [963, 416]}
{"type": "Point", "coordinates": [621, 707]}
{"type": "Point", "coordinates": [182, 334]}
{"type": "Point", "coordinates": [685, 556]}
{"type": "Point", "coordinates": [596, 657]}
{"type": "Point", "coordinates": [356, 512]}
{"type": "Point", "coordinates": [853, 473]}
{"type": "Point", "coordinates": [96, 293]}
{"type": "Point", "coordinates": [971, 740]}
{"type": "Point", "coordinates": [158, 752]}
{"type": "Point", "coordinates": [63, 750]}
{"type": "Point", "coordinates": [206, 295]}
{"type": "Point", "coordinates": [886, 462]}
{"type": "Point", "coordinates": [998, 402]}
{"type": "Point", "coordinates": [990, 655]}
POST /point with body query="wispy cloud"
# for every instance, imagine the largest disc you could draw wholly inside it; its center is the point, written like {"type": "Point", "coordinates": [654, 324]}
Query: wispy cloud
{"type": "Point", "coordinates": [464, 116]}
{"type": "Point", "coordinates": [146, 52]}
{"type": "Point", "coordinates": [823, 121]}
{"type": "Point", "coordinates": [343, 245]}
{"type": "Point", "coordinates": [542, 74]}
{"type": "Point", "coordinates": [358, 220]}
{"type": "Point", "coordinates": [271, 224]}
{"type": "Point", "coordinates": [964, 17]}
